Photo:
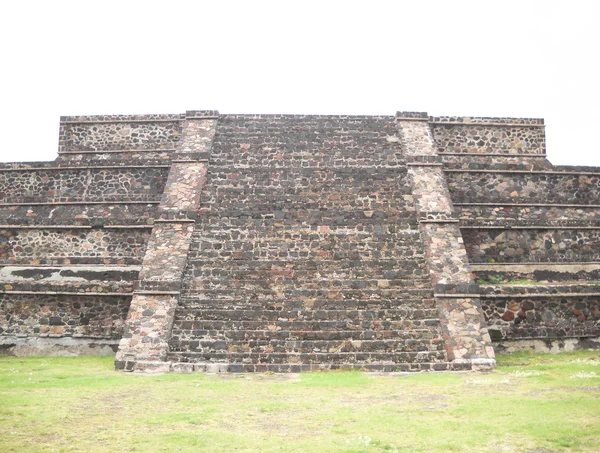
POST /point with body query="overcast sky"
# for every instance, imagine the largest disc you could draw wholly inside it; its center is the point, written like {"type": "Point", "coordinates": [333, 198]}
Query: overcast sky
{"type": "Point", "coordinates": [472, 58]}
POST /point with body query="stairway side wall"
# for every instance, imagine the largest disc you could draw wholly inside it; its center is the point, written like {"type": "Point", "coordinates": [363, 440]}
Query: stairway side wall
{"type": "Point", "coordinates": [147, 332]}
{"type": "Point", "coordinates": [463, 326]}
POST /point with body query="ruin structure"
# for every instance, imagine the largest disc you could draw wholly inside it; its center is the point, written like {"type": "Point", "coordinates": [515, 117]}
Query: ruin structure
{"type": "Point", "coordinates": [208, 242]}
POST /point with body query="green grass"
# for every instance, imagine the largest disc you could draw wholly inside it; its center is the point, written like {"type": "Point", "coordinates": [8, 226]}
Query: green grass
{"type": "Point", "coordinates": [531, 403]}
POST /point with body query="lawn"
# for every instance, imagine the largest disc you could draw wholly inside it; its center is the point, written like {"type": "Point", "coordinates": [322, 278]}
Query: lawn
{"type": "Point", "coordinates": [531, 403]}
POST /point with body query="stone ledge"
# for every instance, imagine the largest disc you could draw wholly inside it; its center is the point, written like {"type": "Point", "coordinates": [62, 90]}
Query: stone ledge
{"type": "Point", "coordinates": [458, 123]}
{"type": "Point", "coordinates": [156, 367]}
{"type": "Point", "coordinates": [202, 114]}
{"type": "Point", "coordinates": [59, 346]}
{"type": "Point", "coordinates": [174, 220]}
{"type": "Point", "coordinates": [531, 205]}
{"type": "Point", "coordinates": [73, 227]}
{"type": "Point", "coordinates": [536, 295]}
{"type": "Point", "coordinates": [423, 116]}
{"type": "Point", "coordinates": [67, 293]}
{"type": "Point", "coordinates": [92, 120]}
{"type": "Point", "coordinates": [445, 153]}
{"type": "Point", "coordinates": [527, 172]}
{"type": "Point", "coordinates": [46, 227]}
{"type": "Point", "coordinates": [407, 118]}
{"type": "Point", "coordinates": [550, 345]}
{"type": "Point", "coordinates": [117, 151]}
{"type": "Point", "coordinates": [482, 120]}
{"type": "Point", "coordinates": [128, 227]}
{"type": "Point", "coordinates": [476, 364]}
{"type": "Point", "coordinates": [66, 203]}
{"type": "Point", "coordinates": [160, 286]}
{"type": "Point", "coordinates": [424, 164]}
{"type": "Point", "coordinates": [528, 227]}
{"type": "Point", "coordinates": [83, 167]}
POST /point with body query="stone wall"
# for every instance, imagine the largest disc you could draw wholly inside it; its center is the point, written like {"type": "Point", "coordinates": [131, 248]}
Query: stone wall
{"type": "Point", "coordinates": [526, 215]}
{"type": "Point", "coordinates": [489, 135]}
{"type": "Point", "coordinates": [563, 311]}
{"type": "Point", "coordinates": [41, 315]}
{"type": "Point", "coordinates": [71, 246]}
{"type": "Point", "coordinates": [119, 132]}
{"type": "Point", "coordinates": [532, 245]}
{"type": "Point", "coordinates": [82, 184]}
{"type": "Point", "coordinates": [526, 187]}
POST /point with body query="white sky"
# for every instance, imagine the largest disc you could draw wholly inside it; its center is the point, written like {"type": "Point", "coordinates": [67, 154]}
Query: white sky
{"type": "Point", "coordinates": [473, 58]}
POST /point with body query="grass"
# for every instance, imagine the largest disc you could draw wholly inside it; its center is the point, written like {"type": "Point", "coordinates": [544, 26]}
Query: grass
{"type": "Point", "coordinates": [531, 403]}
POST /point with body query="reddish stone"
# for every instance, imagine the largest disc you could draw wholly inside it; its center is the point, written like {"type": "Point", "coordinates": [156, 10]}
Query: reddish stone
{"type": "Point", "coordinates": [508, 316]}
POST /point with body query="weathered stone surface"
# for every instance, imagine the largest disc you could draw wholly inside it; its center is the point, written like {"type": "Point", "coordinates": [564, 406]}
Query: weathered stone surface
{"type": "Point", "coordinates": [85, 184]}
{"type": "Point", "coordinates": [479, 137]}
{"type": "Point", "coordinates": [150, 319]}
{"type": "Point", "coordinates": [125, 134]}
{"type": "Point", "coordinates": [71, 246]}
{"type": "Point", "coordinates": [532, 245]}
{"type": "Point", "coordinates": [290, 243]}
{"type": "Point", "coordinates": [48, 315]}
{"type": "Point", "coordinates": [461, 318]}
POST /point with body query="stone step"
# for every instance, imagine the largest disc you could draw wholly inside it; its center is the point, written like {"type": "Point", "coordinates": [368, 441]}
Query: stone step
{"type": "Point", "coordinates": [318, 255]}
{"type": "Point", "coordinates": [294, 293]}
{"type": "Point", "coordinates": [305, 325]}
{"type": "Point", "coordinates": [313, 304]}
{"type": "Point", "coordinates": [217, 346]}
{"type": "Point", "coordinates": [329, 335]}
{"type": "Point", "coordinates": [354, 218]}
{"type": "Point", "coordinates": [131, 198]}
{"type": "Point", "coordinates": [214, 226]}
{"type": "Point", "coordinates": [289, 194]}
{"type": "Point", "coordinates": [343, 246]}
{"type": "Point", "coordinates": [305, 315]}
{"type": "Point", "coordinates": [236, 264]}
{"type": "Point", "coordinates": [259, 284]}
{"type": "Point", "coordinates": [314, 357]}
{"type": "Point", "coordinates": [280, 239]}
{"type": "Point", "coordinates": [390, 367]}
{"type": "Point", "coordinates": [278, 174]}
{"type": "Point", "coordinates": [206, 273]}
